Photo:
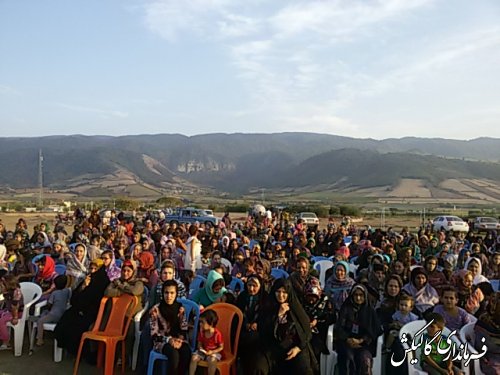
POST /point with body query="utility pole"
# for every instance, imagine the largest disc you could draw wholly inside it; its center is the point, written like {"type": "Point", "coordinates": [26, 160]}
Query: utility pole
{"type": "Point", "coordinates": [40, 178]}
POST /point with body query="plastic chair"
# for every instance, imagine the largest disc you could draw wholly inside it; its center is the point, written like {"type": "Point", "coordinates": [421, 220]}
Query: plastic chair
{"type": "Point", "coordinates": [347, 240]}
{"type": "Point", "coordinates": [236, 284]}
{"type": "Point", "coordinates": [319, 258]}
{"type": "Point", "coordinates": [467, 335]}
{"type": "Point", "coordinates": [196, 284]}
{"type": "Point", "coordinates": [46, 327]}
{"type": "Point", "coordinates": [322, 266]}
{"type": "Point", "coordinates": [60, 269]}
{"type": "Point", "coordinates": [189, 306]}
{"type": "Point", "coordinates": [31, 294]}
{"type": "Point", "coordinates": [137, 328]}
{"type": "Point", "coordinates": [226, 263]}
{"type": "Point", "coordinates": [226, 313]}
{"type": "Point", "coordinates": [119, 263]}
{"type": "Point", "coordinates": [495, 284]}
{"type": "Point", "coordinates": [329, 361]}
{"type": "Point", "coordinates": [278, 273]}
{"type": "Point", "coordinates": [114, 332]}
{"type": "Point", "coordinates": [412, 329]}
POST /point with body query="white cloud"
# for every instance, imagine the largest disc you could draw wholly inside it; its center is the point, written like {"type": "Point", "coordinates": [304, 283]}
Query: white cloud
{"type": "Point", "coordinates": [99, 111]}
{"type": "Point", "coordinates": [9, 91]}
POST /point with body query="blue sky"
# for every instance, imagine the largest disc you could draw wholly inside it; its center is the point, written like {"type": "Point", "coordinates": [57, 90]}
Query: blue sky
{"type": "Point", "coordinates": [378, 69]}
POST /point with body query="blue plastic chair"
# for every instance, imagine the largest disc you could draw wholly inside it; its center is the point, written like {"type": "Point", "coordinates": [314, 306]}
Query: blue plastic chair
{"type": "Point", "coordinates": [278, 273]}
{"type": "Point", "coordinates": [119, 263]}
{"type": "Point", "coordinates": [318, 258]}
{"type": "Point", "coordinates": [189, 306]}
{"type": "Point", "coordinates": [60, 269]}
{"type": "Point", "coordinates": [236, 285]}
{"type": "Point", "coordinates": [196, 284]}
{"type": "Point", "coordinates": [495, 283]}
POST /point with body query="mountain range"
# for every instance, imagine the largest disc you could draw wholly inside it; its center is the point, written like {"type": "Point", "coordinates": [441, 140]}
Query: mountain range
{"type": "Point", "coordinates": [149, 165]}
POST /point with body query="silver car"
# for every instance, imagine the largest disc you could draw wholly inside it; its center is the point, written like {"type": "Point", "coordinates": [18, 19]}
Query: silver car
{"type": "Point", "coordinates": [485, 224]}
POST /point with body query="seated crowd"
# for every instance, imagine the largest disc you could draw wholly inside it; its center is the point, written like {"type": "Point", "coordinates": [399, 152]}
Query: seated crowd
{"type": "Point", "coordinates": [377, 281]}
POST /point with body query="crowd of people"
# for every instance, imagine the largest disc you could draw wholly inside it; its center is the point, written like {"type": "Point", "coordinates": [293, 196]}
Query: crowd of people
{"type": "Point", "coordinates": [379, 281]}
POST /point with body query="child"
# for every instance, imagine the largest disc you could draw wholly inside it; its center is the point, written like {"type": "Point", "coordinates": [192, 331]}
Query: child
{"type": "Point", "coordinates": [57, 304]}
{"type": "Point", "coordinates": [13, 307]}
{"type": "Point", "coordinates": [401, 317]}
{"type": "Point", "coordinates": [434, 363]}
{"type": "Point", "coordinates": [210, 343]}
{"type": "Point", "coordinates": [454, 316]}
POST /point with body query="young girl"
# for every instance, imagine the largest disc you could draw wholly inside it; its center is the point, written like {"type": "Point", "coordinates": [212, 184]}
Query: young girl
{"type": "Point", "coordinates": [210, 343]}
{"type": "Point", "coordinates": [455, 317]}
{"type": "Point", "coordinates": [13, 307]}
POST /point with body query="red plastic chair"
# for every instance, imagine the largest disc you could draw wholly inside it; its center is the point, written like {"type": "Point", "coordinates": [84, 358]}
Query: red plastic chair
{"type": "Point", "coordinates": [115, 331]}
{"type": "Point", "coordinates": [226, 313]}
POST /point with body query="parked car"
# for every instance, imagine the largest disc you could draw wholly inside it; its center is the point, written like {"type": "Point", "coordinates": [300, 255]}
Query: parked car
{"type": "Point", "coordinates": [190, 215]}
{"type": "Point", "coordinates": [309, 218]}
{"type": "Point", "coordinates": [449, 223]}
{"type": "Point", "coordinates": [485, 224]}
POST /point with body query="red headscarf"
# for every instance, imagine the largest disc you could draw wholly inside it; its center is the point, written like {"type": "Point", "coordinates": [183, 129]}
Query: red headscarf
{"type": "Point", "coordinates": [147, 261]}
{"type": "Point", "coordinates": [48, 269]}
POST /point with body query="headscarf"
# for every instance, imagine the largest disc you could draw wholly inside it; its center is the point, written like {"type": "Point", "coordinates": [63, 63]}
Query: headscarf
{"type": "Point", "coordinates": [170, 313]}
{"type": "Point", "coordinates": [3, 252]}
{"type": "Point", "coordinates": [426, 296]}
{"type": "Point", "coordinates": [74, 267]}
{"type": "Point", "coordinates": [48, 270]}
{"type": "Point", "coordinates": [338, 290]}
{"type": "Point", "coordinates": [212, 277]}
{"type": "Point", "coordinates": [113, 271]}
{"type": "Point", "coordinates": [479, 278]}
{"type": "Point", "coordinates": [251, 306]}
{"type": "Point", "coordinates": [147, 262]}
{"type": "Point", "coordinates": [46, 242]}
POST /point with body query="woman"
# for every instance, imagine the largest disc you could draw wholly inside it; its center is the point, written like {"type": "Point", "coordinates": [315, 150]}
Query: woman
{"type": "Point", "coordinates": [436, 278]}
{"type": "Point", "coordinates": [286, 333]}
{"type": "Point", "coordinates": [167, 272]}
{"type": "Point", "coordinates": [474, 265]}
{"type": "Point", "coordinates": [357, 330]}
{"type": "Point", "coordinates": [127, 284]}
{"type": "Point", "coordinates": [338, 286]}
{"type": "Point", "coordinates": [469, 298]}
{"type": "Point", "coordinates": [300, 277]}
{"type": "Point", "coordinates": [77, 265]}
{"type": "Point", "coordinates": [169, 329]}
{"type": "Point", "coordinates": [112, 270]}
{"type": "Point", "coordinates": [250, 302]}
{"type": "Point", "coordinates": [418, 287]}
{"type": "Point", "coordinates": [85, 303]}
{"type": "Point", "coordinates": [263, 270]}
{"type": "Point", "coordinates": [146, 271]}
{"type": "Point", "coordinates": [213, 290]}
{"type": "Point", "coordinates": [388, 306]}
{"type": "Point", "coordinates": [192, 260]}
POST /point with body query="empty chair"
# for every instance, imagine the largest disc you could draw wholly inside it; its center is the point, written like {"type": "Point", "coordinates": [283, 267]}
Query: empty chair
{"type": "Point", "coordinates": [114, 332]}
{"type": "Point", "coordinates": [60, 269]}
{"type": "Point", "coordinates": [317, 258]}
{"type": "Point", "coordinates": [137, 328]}
{"type": "Point", "coordinates": [322, 266]}
{"type": "Point", "coordinates": [328, 361]}
{"type": "Point", "coordinates": [236, 285]}
{"type": "Point", "coordinates": [278, 273]}
{"type": "Point", "coordinates": [31, 294]}
{"type": "Point", "coordinates": [196, 284]}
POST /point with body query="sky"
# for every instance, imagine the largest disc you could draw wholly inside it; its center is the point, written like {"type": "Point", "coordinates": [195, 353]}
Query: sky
{"type": "Point", "coordinates": [359, 68]}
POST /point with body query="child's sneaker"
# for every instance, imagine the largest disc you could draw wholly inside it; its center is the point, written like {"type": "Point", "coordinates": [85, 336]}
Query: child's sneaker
{"type": "Point", "coordinates": [5, 347]}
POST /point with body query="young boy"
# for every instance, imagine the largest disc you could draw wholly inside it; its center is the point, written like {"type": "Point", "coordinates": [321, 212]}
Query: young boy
{"type": "Point", "coordinates": [434, 363]}
{"type": "Point", "coordinates": [57, 304]}
{"type": "Point", "coordinates": [210, 343]}
{"type": "Point", "coordinates": [401, 317]}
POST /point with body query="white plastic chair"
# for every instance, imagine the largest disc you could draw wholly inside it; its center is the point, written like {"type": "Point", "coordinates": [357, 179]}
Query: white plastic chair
{"type": "Point", "coordinates": [226, 263]}
{"type": "Point", "coordinates": [58, 352]}
{"type": "Point", "coordinates": [328, 361]}
{"type": "Point", "coordinates": [322, 266]}
{"type": "Point", "coordinates": [137, 330]}
{"type": "Point", "coordinates": [467, 335]}
{"type": "Point", "coordinates": [412, 328]}
{"type": "Point", "coordinates": [31, 294]}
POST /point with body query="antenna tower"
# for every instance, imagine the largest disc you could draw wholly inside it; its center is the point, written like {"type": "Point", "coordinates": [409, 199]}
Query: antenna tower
{"type": "Point", "coordinates": [40, 178]}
